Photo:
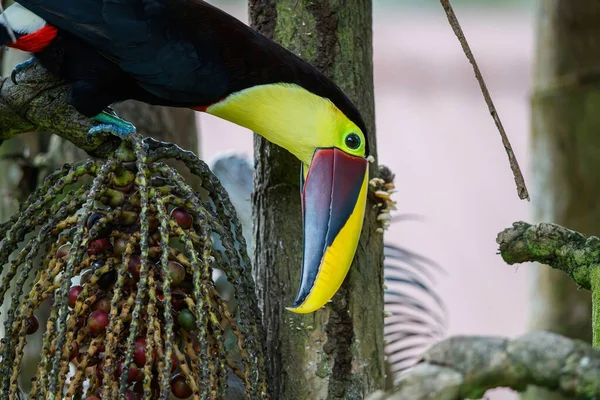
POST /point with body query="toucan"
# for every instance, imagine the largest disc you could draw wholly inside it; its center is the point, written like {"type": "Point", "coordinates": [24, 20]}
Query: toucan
{"type": "Point", "coordinates": [188, 53]}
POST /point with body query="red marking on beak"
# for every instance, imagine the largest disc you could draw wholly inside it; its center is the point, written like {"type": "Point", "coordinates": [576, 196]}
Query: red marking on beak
{"type": "Point", "coordinates": [205, 107]}
{"type": "Point", "coordinates": [200, 108]}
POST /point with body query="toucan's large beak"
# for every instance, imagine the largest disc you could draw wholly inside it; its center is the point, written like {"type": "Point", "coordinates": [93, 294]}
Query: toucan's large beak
{"type": "Point", "coordinates": [334, 196]}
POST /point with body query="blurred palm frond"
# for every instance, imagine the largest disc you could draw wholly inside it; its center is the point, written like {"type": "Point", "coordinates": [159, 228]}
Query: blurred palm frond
{"type": "Point", "coordinates": [415, 313]}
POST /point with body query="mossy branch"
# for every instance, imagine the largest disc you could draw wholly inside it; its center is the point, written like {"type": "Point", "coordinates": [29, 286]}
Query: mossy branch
{"type": "Point", "coordinates": [466, 367]}
{"type": "Point", "coordinates": [573, 253]}
{"type": "Point", "coordinates": [41, 102]}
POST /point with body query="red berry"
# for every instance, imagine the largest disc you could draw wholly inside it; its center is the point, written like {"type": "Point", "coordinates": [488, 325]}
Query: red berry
{"type": "Point", "coordinates": [139, 353]}
{"type": "Point", "coordinates": [177, 272]}
{"type": "Point", "coordinates": [63, 251]}
{"type": "Point", "coordinates": [135, 263]}
{"type": "Point", "coordinates": [97, 321]}
{"type": "Point", "coordinates": [129, 395]}
{"type": "Point", "coordinates": [32, 325]}
{"type": "Point", "coordinates": [179, 388]}
{"type": "Point", "coordinates": [74, 294]}
{"type": "Point", "coordinates": [182, 217]}
{"type": "Point", "coordinates": [99, 246]}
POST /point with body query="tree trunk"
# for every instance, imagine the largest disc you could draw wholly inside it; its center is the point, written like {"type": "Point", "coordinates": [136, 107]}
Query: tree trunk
{"type": "Point", "coordinates": [336, 352]}
{"type": "Point", "coordinates": [565, 151]}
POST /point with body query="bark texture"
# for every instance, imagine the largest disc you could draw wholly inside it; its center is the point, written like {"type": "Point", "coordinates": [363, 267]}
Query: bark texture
{"type": "Point", "coordinates": [564, 250]}
{"type": "Point", "coordinates": [571, 252]}
{"type": "Point", "coordinates": [337, 352]}
{"type": "Point", "coordinates": [565, 147]}
{"type": "Point", "coordinates": [40, 102]}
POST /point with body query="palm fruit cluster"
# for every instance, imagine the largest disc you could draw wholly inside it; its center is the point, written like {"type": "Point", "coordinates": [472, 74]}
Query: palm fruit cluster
{"type": "Point", "coordinates": [126, 253]}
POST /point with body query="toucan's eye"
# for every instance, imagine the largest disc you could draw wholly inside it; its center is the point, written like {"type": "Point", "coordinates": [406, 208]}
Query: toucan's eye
{"type": "Point", "coordinates": [353, 141]}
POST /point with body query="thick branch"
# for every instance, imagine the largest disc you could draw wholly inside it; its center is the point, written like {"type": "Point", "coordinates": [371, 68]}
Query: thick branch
{"type": "Point", "coordinates": [571, 252]}
{"type": "Point", "coordinates": [466, 367]}
{"type": "Point", "coordinates": [40, 102]}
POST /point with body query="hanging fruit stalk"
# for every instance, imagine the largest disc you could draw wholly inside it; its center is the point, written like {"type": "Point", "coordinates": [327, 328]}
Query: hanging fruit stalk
{"type": "Point", "coordinates": [128, 264]}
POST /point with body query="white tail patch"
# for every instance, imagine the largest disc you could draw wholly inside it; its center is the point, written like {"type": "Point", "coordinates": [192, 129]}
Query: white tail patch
{"type": "Point", "coordinates": [21, 20]}
{"type": "Point", "coordinates": [9, 29]}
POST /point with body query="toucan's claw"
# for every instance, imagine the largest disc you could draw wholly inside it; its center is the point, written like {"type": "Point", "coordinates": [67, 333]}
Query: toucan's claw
{"type": "Point", "coordinates": [112, 129]}
{"type": "Point", "coordinates": [20, 67]}
{"type": "Point", "coordinates": [110, 123]}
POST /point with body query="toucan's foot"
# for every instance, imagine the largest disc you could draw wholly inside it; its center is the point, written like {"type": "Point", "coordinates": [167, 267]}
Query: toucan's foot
{"type": "Point", "coordinates": [20, 67]}
{"type": "Point", "coordinates": [110, 123]}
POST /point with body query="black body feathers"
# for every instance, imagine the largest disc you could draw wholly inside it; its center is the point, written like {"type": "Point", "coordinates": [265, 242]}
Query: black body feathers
{"type": "Point", "coordinates": [169, 52]}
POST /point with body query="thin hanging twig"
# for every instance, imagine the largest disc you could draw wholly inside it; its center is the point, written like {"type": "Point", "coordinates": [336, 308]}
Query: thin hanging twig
{"type": "Point", "coordinates": [514, 164]}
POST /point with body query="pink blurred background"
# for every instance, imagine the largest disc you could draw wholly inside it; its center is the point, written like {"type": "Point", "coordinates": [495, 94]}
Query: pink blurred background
{"type": "Point", "coordinates": [434, 131]}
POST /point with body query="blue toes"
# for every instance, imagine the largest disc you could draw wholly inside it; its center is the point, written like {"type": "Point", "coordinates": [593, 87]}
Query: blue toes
{"type": "Point", "coordinates": [110, 123]}
{"type": "Point", "coordinates": [20, 67]}
{"type": "Point", "coordinates": [117, 130]}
